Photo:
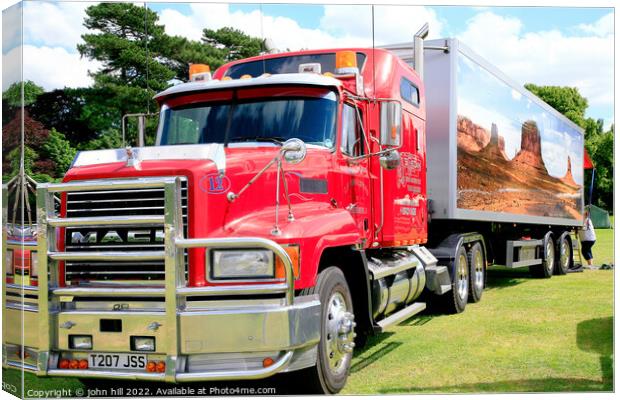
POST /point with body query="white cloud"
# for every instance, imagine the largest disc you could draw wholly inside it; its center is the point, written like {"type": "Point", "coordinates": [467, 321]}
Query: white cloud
{"type": "Point", "coordinates": [336, 29]}
{"type": "Point", "coordinates": [54, 23]}
{"type": "Point", "coordinates": [393, 24]}
{"type": "Point", "coordinates": [55, 67]}
{"type": "Point", "coordinates": [603, 27]}
{"type": "Point", "coordinates": [545, 57]}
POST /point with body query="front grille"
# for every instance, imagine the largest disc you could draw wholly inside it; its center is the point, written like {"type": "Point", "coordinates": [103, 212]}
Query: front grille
{"type": "Point", "coordinates": [108, 203]}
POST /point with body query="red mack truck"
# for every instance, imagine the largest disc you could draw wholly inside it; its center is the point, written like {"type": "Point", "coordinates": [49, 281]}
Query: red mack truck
{"type": "Point", "coordinates": [294, 204]}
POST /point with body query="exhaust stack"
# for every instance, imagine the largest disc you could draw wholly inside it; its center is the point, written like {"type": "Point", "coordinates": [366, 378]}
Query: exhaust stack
{"type": "Point", "coordinates": [418, 50]}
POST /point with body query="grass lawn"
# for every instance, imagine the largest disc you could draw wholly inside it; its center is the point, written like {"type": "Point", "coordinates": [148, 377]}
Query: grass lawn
{"type": "Point", "coordinates": [527, 335]}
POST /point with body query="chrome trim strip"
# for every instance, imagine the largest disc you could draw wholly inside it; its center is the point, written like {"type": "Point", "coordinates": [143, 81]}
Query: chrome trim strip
{"type": "Point", "coordinates": [102, 184]}
{"type": "Point", "coordinates": [16, 364]}
{"type": "Point", "coordinates": [106, 221]}
{"type": "Point", "coordinates": [232, 290]}
{"type": "Point", "coordinates": [237, 375]}
{"type": "Point", "coordinates": [21, 307]}
{"type": "Point", "coordinates": [108, 255]}
{"type": "Point", "coordinates": [108, 292]}
{"type": "Point", "coordinates": [15, 286]}
{"type": "Point", "coordinates": [89, 373]}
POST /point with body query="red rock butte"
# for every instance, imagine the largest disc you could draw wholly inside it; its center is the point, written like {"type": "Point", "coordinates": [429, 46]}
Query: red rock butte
{"type": "Point", "coordinates": [530, 155]}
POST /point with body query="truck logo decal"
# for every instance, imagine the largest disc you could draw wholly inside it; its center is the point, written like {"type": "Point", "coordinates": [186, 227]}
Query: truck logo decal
{"type": "Point", "coordinates": [214, 183]}
{"type": "Point", "coordinates": [113, 236]}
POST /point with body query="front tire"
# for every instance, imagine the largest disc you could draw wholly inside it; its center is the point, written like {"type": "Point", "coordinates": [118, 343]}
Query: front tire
{"type": "Point", "coordinates": [475, 257]}
{"type": "Point", "coordinates": [335, 351]}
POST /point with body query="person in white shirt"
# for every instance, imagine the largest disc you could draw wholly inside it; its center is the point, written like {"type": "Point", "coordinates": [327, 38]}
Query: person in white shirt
{"type": "Point", "coordinates": [587, 237]}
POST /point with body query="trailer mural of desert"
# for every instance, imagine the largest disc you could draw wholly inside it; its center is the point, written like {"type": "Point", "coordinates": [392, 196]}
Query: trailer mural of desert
{"type": "Point", "coordinates": [513, 155]}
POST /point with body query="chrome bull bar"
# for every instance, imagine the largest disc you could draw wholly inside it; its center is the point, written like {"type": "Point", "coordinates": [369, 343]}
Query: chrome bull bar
{"type": "Point", "coordinates": [174, 291]}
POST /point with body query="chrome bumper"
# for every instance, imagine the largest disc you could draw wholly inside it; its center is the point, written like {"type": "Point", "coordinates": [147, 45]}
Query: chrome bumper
{"type": "Point", "coordinates": [212, 339]}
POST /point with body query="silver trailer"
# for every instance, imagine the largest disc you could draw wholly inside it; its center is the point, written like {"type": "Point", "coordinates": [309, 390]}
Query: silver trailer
{"type": "Point", "coordinates": [495, 151]}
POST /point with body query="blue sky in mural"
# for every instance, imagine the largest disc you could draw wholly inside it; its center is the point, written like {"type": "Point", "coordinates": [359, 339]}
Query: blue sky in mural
{"type": "Point", "coordinates": [529, 44]}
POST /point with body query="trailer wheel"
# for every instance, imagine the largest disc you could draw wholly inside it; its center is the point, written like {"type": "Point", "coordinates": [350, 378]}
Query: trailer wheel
{"type": "Point", "coordinates": [335, 351]}
{"type": "Point", "coordinates": [475, 258]}
{"type": "Point", "coordinates": [548, 263]}
{"type": "Point", "coordinates": [455, 301]}
{"type": "Point", "coordinates": [565, 255]}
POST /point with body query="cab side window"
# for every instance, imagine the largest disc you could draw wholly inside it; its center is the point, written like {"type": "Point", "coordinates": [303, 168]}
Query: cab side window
{"type": "Point", "coordinates": [352, 143]}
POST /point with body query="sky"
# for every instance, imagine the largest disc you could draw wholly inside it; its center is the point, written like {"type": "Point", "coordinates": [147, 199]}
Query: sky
{"type": "Point", "coordinates": [542, 45]}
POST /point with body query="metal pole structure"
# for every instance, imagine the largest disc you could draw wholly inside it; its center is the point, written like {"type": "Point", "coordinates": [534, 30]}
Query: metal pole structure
{"type": "Point", "coordinates": [592, 186]}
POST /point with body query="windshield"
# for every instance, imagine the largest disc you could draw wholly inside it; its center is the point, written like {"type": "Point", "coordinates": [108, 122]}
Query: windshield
{"type": "Point", "coordinates": [311, 119]}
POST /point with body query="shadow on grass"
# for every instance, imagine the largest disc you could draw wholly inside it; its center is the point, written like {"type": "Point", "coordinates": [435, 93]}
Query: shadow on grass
{"type": "Point", "coordinates": [502, 277]}
{"type": "Point", "coordinates": [596, 336]}
{"type": "Point", "coordinates": [513, 386]}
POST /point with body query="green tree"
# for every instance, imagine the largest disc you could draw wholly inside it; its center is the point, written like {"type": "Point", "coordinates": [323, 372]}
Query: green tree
{"type": "Point", "coordinates": [139, 59]}
{"type": "Point", "coordinates": [58, 149]}
{"type": "Point", "coordinates": [232, 43]}
{"type": "Point", "coordinates": [598, 143]}
{"type": "Point", "coordinates": [13, 95]}
{"type": "Point", "coordinates": [567, 100]}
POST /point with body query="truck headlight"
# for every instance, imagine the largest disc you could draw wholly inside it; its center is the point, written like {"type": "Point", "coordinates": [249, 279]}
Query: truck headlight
{"type": "Point", "coordinates": [78, 342]}
{"type": "Point", "coordinates": [143, 343]}
{"type": "Point", "coordinates": [239, 264]}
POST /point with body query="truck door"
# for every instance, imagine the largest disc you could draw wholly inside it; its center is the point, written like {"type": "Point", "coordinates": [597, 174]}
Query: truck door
{"type": "Point", "coordinates": [353, 170]}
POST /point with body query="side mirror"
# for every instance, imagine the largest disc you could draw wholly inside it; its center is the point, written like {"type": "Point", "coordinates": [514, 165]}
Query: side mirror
{"type": "Point", "coordinates": [294, 151]}
{"type": "Point", "coordinates": [390, 160]}
{"type": "Point", "coordinates": [391, 123]}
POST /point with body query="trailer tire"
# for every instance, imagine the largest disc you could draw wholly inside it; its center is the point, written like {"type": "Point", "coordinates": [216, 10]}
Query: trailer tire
{"type": "Point", "coordinates": [477, 270]}
{"type": "Point", "coordinates": [335, 348]}
{"type": "Point", "coordinates": [455, 301]}
{"type": "Point", "coordinates": [565, 255]}
{"type": "Point", "coordinates": [548, 259]}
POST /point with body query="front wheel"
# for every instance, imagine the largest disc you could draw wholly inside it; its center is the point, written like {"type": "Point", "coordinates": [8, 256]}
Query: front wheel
{"type": "Point", "coordinates": [335, 351]}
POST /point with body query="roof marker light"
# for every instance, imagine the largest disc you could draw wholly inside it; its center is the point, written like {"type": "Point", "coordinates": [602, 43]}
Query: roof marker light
{"type": "Point", "coordinates": [246, 76]}
{"type": "Point", "coordinates": [346, 62]}
{"type": "Point", "coordinates": [199, 72]}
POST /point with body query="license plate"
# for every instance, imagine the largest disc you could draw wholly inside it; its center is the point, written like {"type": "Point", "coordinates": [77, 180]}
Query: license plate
{"type": "Point", "coordinates": [117, 360]}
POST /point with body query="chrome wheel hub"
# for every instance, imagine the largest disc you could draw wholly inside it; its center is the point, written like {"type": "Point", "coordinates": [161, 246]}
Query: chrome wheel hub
{"type": "Point", "coordinates": [564, 254]}
{"type": "Point", "coordinates": [340, 335]}
{"type": "Point", "coordinates": [549, 255]}
{"type": "Point", "coordinates": [461, 277]}
{"type": "Point", "coordinates": [478, 270]}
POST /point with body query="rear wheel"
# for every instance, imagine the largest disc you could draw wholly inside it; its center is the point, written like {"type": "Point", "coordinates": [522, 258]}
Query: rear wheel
{"type": "Point", "coordinates": [335, 351]}
{"type": "Point", "coordinates": [455, 301]}
{"type": "Point", "coordinates": [475, 257]}
{"type": "Point", "coordinates": [548, 260]}
{"type": "Point", "coordinates": [565, 255]}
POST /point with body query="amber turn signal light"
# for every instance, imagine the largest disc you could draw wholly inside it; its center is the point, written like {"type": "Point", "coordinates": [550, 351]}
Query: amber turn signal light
{"type": "Point", "coordinates": [268, 362]}
{"type": "Point", "coordinates": [293, 253]}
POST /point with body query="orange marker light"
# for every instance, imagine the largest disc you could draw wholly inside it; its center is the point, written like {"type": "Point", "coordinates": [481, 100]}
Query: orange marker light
{"type": "Point", "coordinates": [268, 362]}
{"type": "Point", "coordinates": [161, 366]}
{"type": "Point", "coordinates": [83, 364]}
{"type": "Point", "coordinates": [293, 253]}
{"type": "Point", "coordinates": [246, 76]}
{"type": "Point", "coordinates": [74, 364]}
{"type": "Point", "coordinates": [151, 366]}
{"type": "Point", "coordinates": [63, 364]}
{"type": "Point", "coordinates": [226, 78]}
{"type": "Point", "coordinates": [346, 59]}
